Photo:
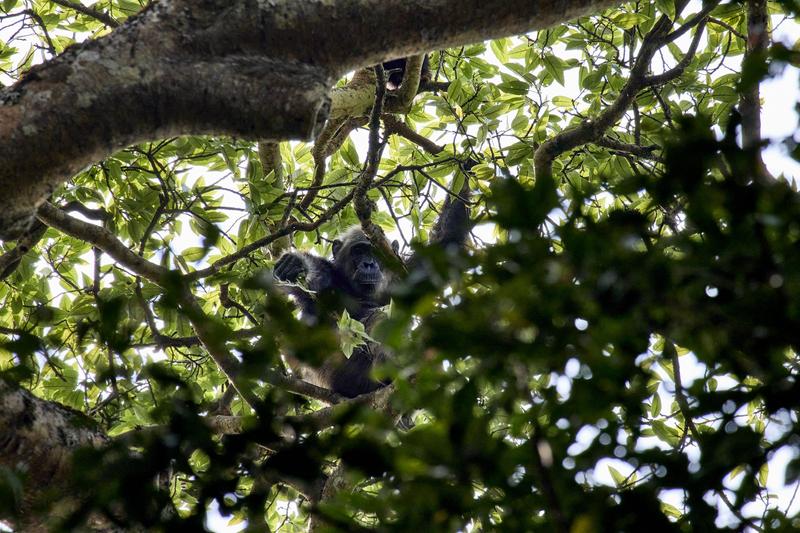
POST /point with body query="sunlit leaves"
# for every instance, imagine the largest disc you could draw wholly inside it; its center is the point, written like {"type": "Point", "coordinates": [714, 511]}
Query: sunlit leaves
{"type": "Point", "coordinates": [538, 366]}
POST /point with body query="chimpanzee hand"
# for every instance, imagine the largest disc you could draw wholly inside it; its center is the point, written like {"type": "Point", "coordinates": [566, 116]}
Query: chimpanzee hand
{"type": "Point", "coordinates": [290, 267]}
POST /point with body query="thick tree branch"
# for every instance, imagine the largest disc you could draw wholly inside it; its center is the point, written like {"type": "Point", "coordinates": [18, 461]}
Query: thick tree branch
{"type": "Point", "coordinates": [750, 103]}
{"type": "Point", "coordinates": [256, 70]}
{"type": "Point", "coordinates": [355, 100]}
{"type": "Point", "coordinates": [37, 441]}
{"type": "Point", "coordinates": [269, 155]}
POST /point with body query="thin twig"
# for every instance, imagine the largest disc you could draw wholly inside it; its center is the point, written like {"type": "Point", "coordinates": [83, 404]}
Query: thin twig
{"type": "Point", "coordinates": [89, 12]}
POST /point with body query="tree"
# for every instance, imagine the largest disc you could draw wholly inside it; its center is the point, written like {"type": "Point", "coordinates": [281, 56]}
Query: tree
{"type": "Point", "coordinates": [615, 350]}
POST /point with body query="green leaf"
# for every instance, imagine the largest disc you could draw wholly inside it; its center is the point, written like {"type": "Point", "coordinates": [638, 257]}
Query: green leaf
{"type": "Point", "coordinates": [665, 433]}
{"type": "Point", "coordinates": [351, 334]}
{"type": "Point", "coordinates": [555, 67]}
{"type": "Point", "coordinates": [194, 253]}
{"type": "Point", "coordinates": [498, 48]}
{"type": "Point", "coordinates": [627, 21]}
{"type": "Point", "coordinates": [349, 153]}
{"type": "Point", "coordinates": [671, 510]}
{"type": "Point", "coordinates": [563, 102]}
{"type": "Point", "coordinates": [520, 123]}
{"type": "Point", "coordinates": [666, 7]}
{"type": "Point", "coordinates": [655, 406]}
{"type": "Point", "coordinates": [616, 475]}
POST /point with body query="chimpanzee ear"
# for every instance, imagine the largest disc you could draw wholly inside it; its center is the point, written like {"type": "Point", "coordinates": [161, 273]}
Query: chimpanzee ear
{"type": "Point", "coordinates": [337, 245]}
{"type": "Point", "coordinates": [395, 247]}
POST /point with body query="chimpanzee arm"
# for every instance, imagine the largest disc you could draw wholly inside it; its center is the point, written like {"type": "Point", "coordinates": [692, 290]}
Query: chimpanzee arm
{"type": "Point", "coordinates": [453, 225]}
{"type": "Point", "coordinates": [318, 272]}
{"type": "Point", "coordinates": [449, 232]}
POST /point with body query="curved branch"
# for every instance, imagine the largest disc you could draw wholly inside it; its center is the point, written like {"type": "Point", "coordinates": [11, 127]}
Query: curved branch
{"type": "Point", "coordinates": [593, 129]}
{"type": "Point", "coordinates": [209, 333]}
{"type": "Point", "coordinates": [149, 77]}
{"type": "Point", "coordinates": [395, 125]}
{"type": "Point", "coordinates": [400, 101]}
{"type": "Point", "coordinates": [111, 105]}
{"type": "Point", "coordinates": [677, 70]}
{"type": "Point", "coordinates": [10, 260]}
{"type": "Point", "coordinates": [363, 205]}
{"type": "Point", "coordinates": [103, 239]}
{"type": "Point", "coordinates": [329, 141]}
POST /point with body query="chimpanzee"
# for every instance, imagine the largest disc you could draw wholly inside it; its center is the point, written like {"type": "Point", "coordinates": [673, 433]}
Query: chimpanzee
{"type": "Point", "coordinates": [355, 274]}
{"type": "Point", "coordinates": [396, 70]}
{"type": "Point", "coordinates": [356, 278]}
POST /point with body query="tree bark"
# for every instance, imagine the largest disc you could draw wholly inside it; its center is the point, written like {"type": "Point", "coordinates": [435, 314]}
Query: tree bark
{"type": "Point", "coordinates": [259, 70]}
{"type": "Point", "coordinates": [750, 104]}
{"type": "Point", "coordinates": [750, 101]}
{"type": "Point", "coordinates": [36, 443]}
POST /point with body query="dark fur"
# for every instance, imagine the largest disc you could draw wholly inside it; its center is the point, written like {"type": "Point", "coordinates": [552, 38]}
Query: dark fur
{"type": "Point", "coordinates": [396, 70]}
{"type": "Point", "coordinates": [356, 281]}
{"type": "Point", "coordinates": [355, 277]}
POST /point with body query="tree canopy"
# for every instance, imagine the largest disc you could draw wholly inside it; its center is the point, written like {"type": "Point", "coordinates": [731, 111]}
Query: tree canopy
{"type": "Point", "coordinates": [613, 349]}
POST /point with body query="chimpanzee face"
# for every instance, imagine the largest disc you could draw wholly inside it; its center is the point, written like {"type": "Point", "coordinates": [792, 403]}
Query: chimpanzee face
{"type": "Point", "coordinates": [356, 259]}
{"type": "Point", "coordinates": [363, 266]}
